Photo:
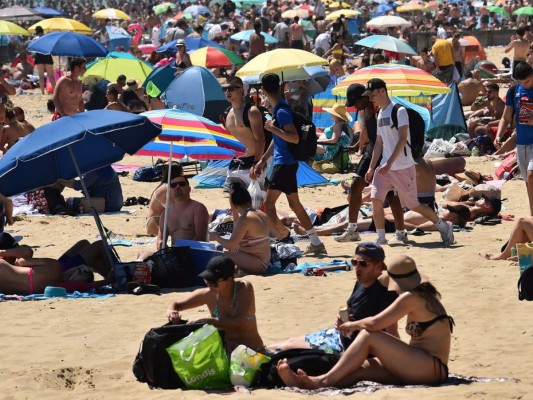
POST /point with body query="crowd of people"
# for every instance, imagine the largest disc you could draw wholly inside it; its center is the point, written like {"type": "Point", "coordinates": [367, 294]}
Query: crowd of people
{"type": "Point", "coordinates": [402, 183]}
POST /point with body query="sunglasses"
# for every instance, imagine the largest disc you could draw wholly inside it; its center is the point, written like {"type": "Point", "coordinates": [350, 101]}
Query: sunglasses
{"type": "Point", "coordinates": [230, 88]}
{"type": "Point", "coordinates": [362, 263]}
{"type": "Point", "coordinates": [173, 185]}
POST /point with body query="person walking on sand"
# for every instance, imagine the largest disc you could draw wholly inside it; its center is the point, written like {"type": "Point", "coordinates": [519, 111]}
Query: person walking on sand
{"type": "Point", "coordinates": [68, 98]}
{"type": "Point", "coordinates": [397, 167]}
{"type": "Point", "coordinates": [520, 47]}
{"type": "Point", "coordinates": [283, 179]}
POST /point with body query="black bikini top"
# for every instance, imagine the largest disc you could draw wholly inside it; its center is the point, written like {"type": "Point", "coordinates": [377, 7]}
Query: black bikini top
{"type": "Point", "coordinates": [417, 329]}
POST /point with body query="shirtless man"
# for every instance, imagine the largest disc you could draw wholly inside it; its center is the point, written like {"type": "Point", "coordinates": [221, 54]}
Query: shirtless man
{"type": "Point", "coordinates": [470, 88]}
{"type": "Point", "coordinates": [296, 32]}
{"type": "Point", "coordinates": [257, 41]}
{"type": "Point", "coordinates": [68, 90]}
{"type": "Point", "coordinates": [520, 46]}
{"type": "Point", "coordinates": [487, 113]}
{"type": "Point", "coordinates": [21, 117]}
{"type": "Point", "coordinates": [13, 131]}
{"type": "Point", "coordinates": [252, 136]}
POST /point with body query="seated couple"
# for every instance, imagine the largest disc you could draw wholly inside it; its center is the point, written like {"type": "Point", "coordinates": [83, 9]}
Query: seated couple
{"type": "Point", "coordinates": [375, 354]}
{"type": "Point", "coordinates": [231, 304]}
{"type": "Point", "coordinates": [20, 273]}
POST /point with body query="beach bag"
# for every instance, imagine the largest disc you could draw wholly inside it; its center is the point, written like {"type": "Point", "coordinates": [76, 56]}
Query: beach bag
{"type": "Point", "coordinates": [244, 365]}
{"type": "Point", "coordinates": [508, 165]}
{"type": "Point", "coordinates": [439, 148]}
{"type": "Point", "coordinates": [152, 364]}
{"type": "Point", "coordinates": [172, 267]}
{"type": "Point", "coordinates": [37, 199]}
{"type": "Point", "coordinates": [148, 173]}
{"type": "Point", "coordinates": [524, 252]}
{"type": "Point", "coordinates": [313, 362]}
{"type": "Point", "coordinates": [306, 146]}
{"type": "Point", "coordinates": [200, 360]}
{"type": "Point", "coordinates": [417, 128]}
{"type": "Point", "coordinates": [256, 194]}
{"type": "Point", "coordinates": [525, 285]}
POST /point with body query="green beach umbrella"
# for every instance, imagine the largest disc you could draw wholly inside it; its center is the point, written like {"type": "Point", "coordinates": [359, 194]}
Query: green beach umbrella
{"type": "Point", "coordinates": [524, 11]}
{"type": "Point", "coordinates": [163, 8]}
{"type": "Point", "coordinates": [309, 29]}
{"type": "Point", "coordinates": [499, 10]}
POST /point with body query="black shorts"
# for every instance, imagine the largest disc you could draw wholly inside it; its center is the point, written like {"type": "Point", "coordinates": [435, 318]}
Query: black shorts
{"type": "Point", "coordinates": [428, 201]}
{"type": "Point", "coordinates": [43, 59]}
{"type": "Point", "coordinates": [389, 226]}
{"type": "Point", "coordinates": [364, 165]}
{"type": "Point", "coordinates": [297, 44]}
{"type": "Point", "coordinates": [283, 178]}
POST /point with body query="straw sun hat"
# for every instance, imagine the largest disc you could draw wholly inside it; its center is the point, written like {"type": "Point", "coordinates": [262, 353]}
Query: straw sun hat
{"type": "Point", "coordinates": [403, 274]}
{"type": "Point", "coordinates": [338, 110]}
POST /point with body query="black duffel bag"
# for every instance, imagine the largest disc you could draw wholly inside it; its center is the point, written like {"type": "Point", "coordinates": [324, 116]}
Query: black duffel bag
{"type": "Point", "coordinates": [172, 267]}
{"type": "Point", "coordinates": [152, 364]}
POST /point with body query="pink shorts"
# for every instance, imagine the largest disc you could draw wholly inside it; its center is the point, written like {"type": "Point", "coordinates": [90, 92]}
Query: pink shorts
{"type": "Point", "coordinates": [402, 180]}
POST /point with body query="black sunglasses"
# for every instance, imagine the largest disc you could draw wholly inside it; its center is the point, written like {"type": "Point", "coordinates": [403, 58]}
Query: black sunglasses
{"type": "Point", "coordinates": [362, 263]}
{"type": "Point", "coordinates": [173, 185]}
{"type": "Point", "coordinates": [230, 88]}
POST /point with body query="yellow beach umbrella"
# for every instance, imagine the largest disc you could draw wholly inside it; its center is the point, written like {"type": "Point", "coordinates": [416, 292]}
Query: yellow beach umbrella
{"type": "Point", "coordinates": [346, 12]}
{"type": "Point", "coordinates": [9, 28]}
{"type": "Point", "coordinates": [412, 6]}
{"type": "Point", "coordinates": [61, 25]}
{"type": "Point", "coordinates": [280, 60]}
{"type": "Point", "coordinates": [111, 13]}
{"type": "Point", "coordinates": [295, 12]}
{"type": "Point", "coordinates": [337, 4]}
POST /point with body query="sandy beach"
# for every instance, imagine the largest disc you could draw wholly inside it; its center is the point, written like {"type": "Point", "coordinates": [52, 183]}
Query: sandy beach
{"type": "Point", "coordinates": [84, 348]}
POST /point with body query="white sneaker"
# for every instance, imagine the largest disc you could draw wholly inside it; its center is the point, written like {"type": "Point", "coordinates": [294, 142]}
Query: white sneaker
{"type": "Point", "coordinates": [447, 234]}
{"type": "Point", "coordinates": [348, 236]}
{"type": "Point", "coordinates": [382, 240]}
{"type": "Point", "coordinates": [399, 237]}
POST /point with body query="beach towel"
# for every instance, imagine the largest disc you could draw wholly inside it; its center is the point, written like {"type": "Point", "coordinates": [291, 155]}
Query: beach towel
{"type": "Point", "coordinates": [75, 295]}
{"type": "Point", "coordinates": [371, 387]}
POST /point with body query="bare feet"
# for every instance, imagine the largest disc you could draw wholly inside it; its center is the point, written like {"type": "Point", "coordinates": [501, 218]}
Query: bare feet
{"type": "Point", "coordinates": [300, 379]}
{"type": "Point", "coordinates": [493, 257]}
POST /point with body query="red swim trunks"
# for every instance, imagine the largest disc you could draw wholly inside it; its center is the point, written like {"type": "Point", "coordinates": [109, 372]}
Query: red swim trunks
{"type": "Point", "coordinates": [56, 116]}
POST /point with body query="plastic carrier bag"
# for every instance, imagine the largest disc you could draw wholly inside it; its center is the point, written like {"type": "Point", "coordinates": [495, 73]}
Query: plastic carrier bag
{"type": "Point", "coordinates": [244, 365]}
{"type": "Point", "coordinates": [256, 194]}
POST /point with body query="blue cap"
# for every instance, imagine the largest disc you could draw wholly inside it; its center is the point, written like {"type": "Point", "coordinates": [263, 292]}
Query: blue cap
{"type": "Point", "coordinates": [371, 250]}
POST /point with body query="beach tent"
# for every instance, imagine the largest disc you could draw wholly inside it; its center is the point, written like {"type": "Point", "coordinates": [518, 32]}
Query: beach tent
{"type": "Point", "coordinates": [473, 49]}
{"type": "Point", "coordinates": [214, 175]}
{"type": "Point", "coordinates": [448, 117]}
{"type": "Point", "coordinates": [118, 37]}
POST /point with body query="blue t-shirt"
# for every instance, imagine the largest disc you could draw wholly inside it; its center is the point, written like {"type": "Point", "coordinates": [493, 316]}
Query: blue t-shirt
{"type": "Point", "coordinates": [524, 133]}
{"type": "Point", "coordinates": [283, 117]}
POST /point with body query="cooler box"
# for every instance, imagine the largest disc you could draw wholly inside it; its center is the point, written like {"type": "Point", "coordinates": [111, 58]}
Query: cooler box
{"type": "Point", "coordinates": [201, 253]}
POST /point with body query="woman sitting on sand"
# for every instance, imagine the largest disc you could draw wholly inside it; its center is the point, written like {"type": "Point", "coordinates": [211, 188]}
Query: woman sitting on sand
{"type": "Point", "coordinates": [424, 361]}
{"type": "Point", "coordinates": [249, 244]}
{"type": "Point", "coordinates": [522, 233]}
{"type": "Point", "coordinates": [159, 197]}
{"type": "Point", "coordinates": [231, 304]}
{"type": "Point", "coordinates": [335, 137]}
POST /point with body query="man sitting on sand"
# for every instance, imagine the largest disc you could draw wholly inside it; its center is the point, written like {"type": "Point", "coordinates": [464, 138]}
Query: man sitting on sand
{"type": "Point", "coordinates": [471, 87]}
{"type": "Point", "coordinates": [369, 297]}
{"type": "Point", "coordinates": [187, 218]}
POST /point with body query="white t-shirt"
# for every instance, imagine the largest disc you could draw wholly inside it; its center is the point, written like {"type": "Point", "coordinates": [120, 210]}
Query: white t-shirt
{"type": "Point", "coordinates": [390, 137]}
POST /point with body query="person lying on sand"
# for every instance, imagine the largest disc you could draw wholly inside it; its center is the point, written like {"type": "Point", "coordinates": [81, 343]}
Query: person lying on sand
{"type": "Point", "coordinates": [231, 304]}
{"type": "Point", "coordinates": [377, 356]}
{"type": "Point", "coordinates": [369, 297]}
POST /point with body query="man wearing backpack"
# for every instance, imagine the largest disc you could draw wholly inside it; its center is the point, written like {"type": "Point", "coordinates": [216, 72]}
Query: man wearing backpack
{"type": "Point", "coordinates": [283, 178]}
{"type": "Point", "coordinates": [397, 167]}
{"type": "Point", "coordinates": [244, 121]}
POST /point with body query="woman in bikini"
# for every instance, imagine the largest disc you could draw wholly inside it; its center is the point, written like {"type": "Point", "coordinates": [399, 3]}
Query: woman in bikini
{"type": "Point", "coordinates": [231, 304]}
{"type": "Point", "coordinates": [249, 244]}
{"type": "Point", "coordinates": [159, 197]}
{"type": "Point", "coordinates": [426, 356]}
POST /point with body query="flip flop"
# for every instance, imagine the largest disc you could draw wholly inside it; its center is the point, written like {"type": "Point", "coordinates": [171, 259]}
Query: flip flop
{"type": "Point", "coordinates": [138, 288]}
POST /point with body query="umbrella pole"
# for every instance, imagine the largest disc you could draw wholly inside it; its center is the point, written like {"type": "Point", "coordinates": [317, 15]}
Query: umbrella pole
{"type": "Point", "coordinates": [93, 211]}
{"type": "Point", "coordinates": [167, 201]}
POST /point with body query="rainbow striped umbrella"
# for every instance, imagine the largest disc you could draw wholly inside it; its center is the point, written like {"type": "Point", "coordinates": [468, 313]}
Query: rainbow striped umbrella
{"type": "Point", "coordinates": [185, 134]}
{"type": "Point", "coordinates": [215, 57]}
{"type": "Point", "coordinates": [402, 80]}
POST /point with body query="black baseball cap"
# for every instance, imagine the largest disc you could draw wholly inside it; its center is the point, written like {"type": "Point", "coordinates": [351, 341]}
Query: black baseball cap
{"type": "Point", "coordinates": [219, 267]}
{"type": "Point", "coordinates": [355, 92]}
{"type": "Point", "coordinates": [373, 84]}
{"type": "Point", "coordinates": [371, 250]}
{"type": "Point", "coordinates": [7, 241]}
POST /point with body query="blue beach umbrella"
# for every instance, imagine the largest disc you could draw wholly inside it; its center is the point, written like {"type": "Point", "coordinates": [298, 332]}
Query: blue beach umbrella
{"type": "Point", "coordinates": [159, 79]}
{"type": "Point", "coordinates": [196, 90]}
{"type": "Point", "coordinates": [50, 12]}
{"type": "Point", "coordinates": [197, 10]}
{"type": "Point", "coordinates": [389, 43]}
{"type": "Point", "coordinates": [68, 44]}
{"type": "Point", "coordinates": [245, 36]}
{"type": "Point", "coordinates": [190, 43]}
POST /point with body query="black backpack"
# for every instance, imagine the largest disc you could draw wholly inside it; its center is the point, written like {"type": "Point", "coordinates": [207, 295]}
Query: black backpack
{"type": "Point", "coordinates": [314, 362]}
{"type": "Point", "coordinates": [525, 285]}
{"type": "Point", "coordinates": [417, 129]}
{"type": "Point", "coordinates": [246, 119]}
{"type": "Point", "coordinates": [306, 146]}
{"type": "Point", "coordinates": [152, 364]}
